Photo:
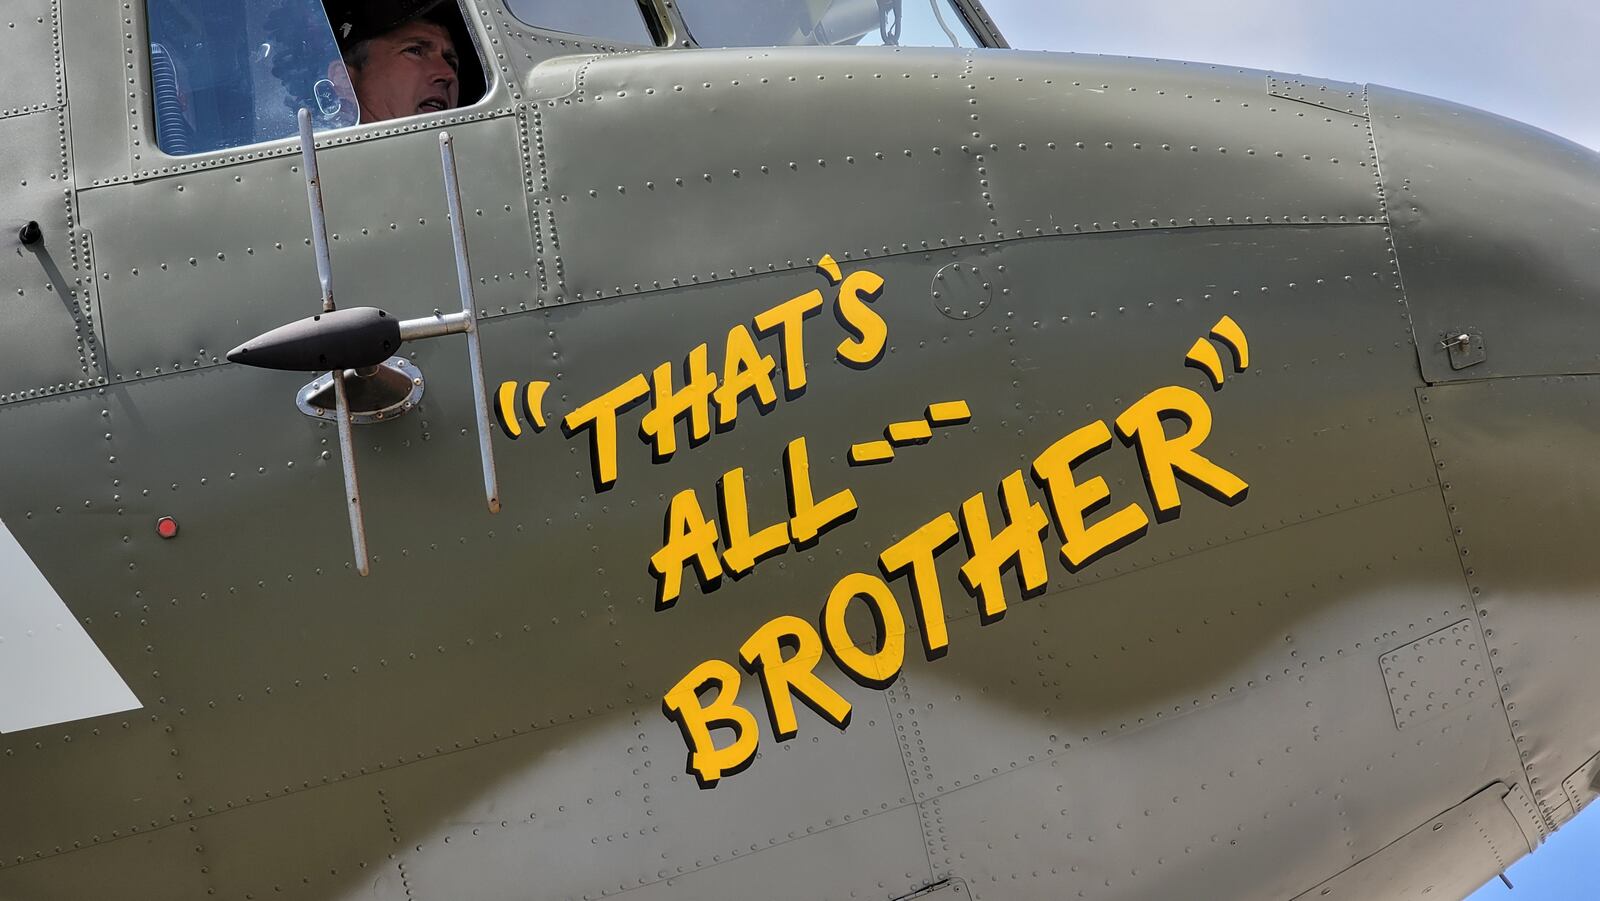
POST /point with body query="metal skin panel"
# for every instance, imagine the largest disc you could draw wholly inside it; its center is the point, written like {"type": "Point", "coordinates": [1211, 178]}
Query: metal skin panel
{"type": "Point", "coordinates": [28, 27]}
{"type": "Point", "coordinates": [1383, 779]}
{"type": "Point", "coordinates": [1497, 228]}
{"type": "Point", "coordinates": [598, 816]}
{"type": "Point", "coordinates": [1447, 857]}
{"type": "Point", "coordinates": [1535, 829]}
{"type": "Point", "coordinates": [822, 162]}
{"type": "Point", "coordinates": [1122, 817]}
{"type": "Point", "coordinates": [1435, 673]}
{"type": "Point", "coordinates": [551, 814]}
{"type": "Point", "coordinates": [1028, 142]}
{"type": "Point", "coordinates": [255, 683]}
{"type": "Point", "coordinates": [1119, 676]}
{"type": "Point", "coordinates": [879, 857]}
{"type": "Point", "coordinates": [828, 780]}
{"type": "Point", "coordinates": [65, 517]}
{"type": "Point", "coordinates": [1512, 458]}
{"type": "Point", "coordinates": [334, 844]}
{"type": "Point", "coordinates": [1340, 96]}
{"type": "Point", "coordinates": [48, 341]}
{"type": "Point", "coordinates": [954, 889]}
{"type": "Point", "coordinates": [51, 671]}
{"type": "Point", "coordinates": [1201, 711]}
{"type": "Point", "coordinates": [1049, 136]}
{"type": "Point", "coordinates": [250, 733]}
{"type": "Point", "coordinates": [1583, 784]}
{"type": "Point", "coordinates": [126, 784]}
{"type": "Point", "coordinates": [232, 259]}
{"type": "Point", "coordinates": [231, 641]}
{"type": "Point", "coordinates": [158, 866]}
{"type": "Point", "coordinates": [99, 64]}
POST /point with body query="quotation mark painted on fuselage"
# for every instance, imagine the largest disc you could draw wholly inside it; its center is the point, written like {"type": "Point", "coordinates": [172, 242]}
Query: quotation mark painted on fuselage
{"type": "Point", "coordinates": [914, 431]}
{"type": "Point", "coordinates": [529, 398]}
{"type": "Point", "coordinates": [1204, 357]}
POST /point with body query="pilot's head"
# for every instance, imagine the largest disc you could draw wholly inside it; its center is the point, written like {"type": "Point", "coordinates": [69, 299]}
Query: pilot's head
{"type": "Point", "coordinates": [401, 56]}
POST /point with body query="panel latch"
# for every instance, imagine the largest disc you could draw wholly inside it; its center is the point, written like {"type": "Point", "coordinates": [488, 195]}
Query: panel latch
{"type": "Point", "coordinates": [1464, 346]}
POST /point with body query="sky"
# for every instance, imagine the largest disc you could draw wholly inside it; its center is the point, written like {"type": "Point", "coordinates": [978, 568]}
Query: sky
{"type": "Point", "coordinates": [1533, 60]}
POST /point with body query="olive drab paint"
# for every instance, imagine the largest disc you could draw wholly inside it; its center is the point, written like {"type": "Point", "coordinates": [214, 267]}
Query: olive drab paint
{"type": "Point", "coordinates": [1016, 541]}
{"type": "Point", "coordinates": [50, 669]}
{"type": "Point", "coordinates": [922, 472]}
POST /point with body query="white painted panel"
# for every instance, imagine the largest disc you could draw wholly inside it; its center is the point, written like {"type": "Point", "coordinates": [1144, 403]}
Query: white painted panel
{"type": "Point", "coordinates": [50, 669]}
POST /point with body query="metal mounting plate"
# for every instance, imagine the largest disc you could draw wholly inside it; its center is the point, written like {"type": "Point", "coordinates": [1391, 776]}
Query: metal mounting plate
{"type": "Point", "coordinates": [392, 391]}
{"type": "Point", "coordinates": [1464, 346]}
{"type": "Point", "coordinates": [962, 290]}
{"type": "Point", "coordinates": [1436, 673]}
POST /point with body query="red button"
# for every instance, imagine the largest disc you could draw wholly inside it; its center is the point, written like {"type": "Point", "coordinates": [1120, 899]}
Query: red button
{"type": "Point", "coordinates": [167, 527]}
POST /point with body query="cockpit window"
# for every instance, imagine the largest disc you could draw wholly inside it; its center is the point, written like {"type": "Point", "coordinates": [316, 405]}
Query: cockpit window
{"type": "Point", "coordinates": [229, 74]}
{"type": "Point", "coordinates": [619, 21]}
{"type": "Point", "coordinates": [766, 23]}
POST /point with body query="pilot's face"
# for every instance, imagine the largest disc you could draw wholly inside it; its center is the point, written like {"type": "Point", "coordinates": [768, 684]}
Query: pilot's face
{"type": "Point", "coordinates": [409, 70]}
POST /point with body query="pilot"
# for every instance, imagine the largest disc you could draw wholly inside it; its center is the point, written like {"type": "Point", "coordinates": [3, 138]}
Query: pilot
{"type": "Point", "coordinates": [401, 55]}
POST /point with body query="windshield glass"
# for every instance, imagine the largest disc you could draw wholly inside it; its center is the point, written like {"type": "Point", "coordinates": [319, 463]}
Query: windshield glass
{"type": "Point", "coordinates": [742, 23]}
{"type": "Point", "coordinates": [224, 75]}
{"type": "Point", "coordinates": [610, 20]}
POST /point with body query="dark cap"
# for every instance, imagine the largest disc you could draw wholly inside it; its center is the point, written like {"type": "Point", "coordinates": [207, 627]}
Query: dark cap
{"type": "Point", "coordinates": [355, 21]}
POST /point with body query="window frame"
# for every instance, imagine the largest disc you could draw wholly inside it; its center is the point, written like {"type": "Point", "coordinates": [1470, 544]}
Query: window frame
{"type": "Point", "coordinates": [659, 18]}
{"type": "Point", "coordinates": [980, 24]}
{"type": "Point", "coordinates": [149, 160]}
{"type": "Point", "coordinates": [973, 16]}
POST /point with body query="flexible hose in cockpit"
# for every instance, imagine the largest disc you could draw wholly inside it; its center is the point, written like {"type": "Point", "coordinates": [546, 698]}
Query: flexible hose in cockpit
{"type": "Point", "coordinates": [939, 14]}
{"type": "Point", "coordinates": [890, 34]}
{"type": "Point", "coordinates": [172, 129]}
